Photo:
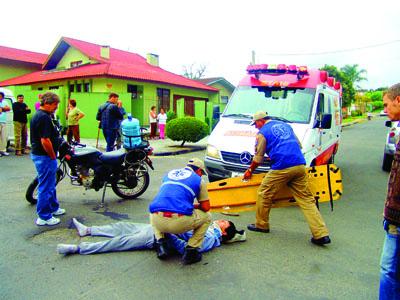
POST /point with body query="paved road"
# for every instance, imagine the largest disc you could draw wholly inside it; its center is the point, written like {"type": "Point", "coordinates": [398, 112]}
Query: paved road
{"type": "Point", "coordinates": [279, 265]}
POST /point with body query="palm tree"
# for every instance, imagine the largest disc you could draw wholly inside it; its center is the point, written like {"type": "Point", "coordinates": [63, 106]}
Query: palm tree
{"type": "Point", "coordinates": [354, 74]}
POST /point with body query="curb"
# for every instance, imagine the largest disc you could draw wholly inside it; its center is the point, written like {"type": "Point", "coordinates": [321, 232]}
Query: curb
{"type": "Point", "coordinates": [353, 122]}
{"type": "Point", "coordinates": [183, 151]}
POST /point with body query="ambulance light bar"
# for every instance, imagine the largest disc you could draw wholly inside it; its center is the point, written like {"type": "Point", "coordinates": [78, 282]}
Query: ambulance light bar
{"type": "Point", "coordinates": [277, 69]}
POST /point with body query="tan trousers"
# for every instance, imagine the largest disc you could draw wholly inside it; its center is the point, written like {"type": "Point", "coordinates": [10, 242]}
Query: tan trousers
{"type": "Point", "coordinates": [20, 135]}
{"type": "Point", "coordinates": [294, 178]}
{"type": "Point", "coordinates": [3, 137]}
{"type": "Point", "coordinates": [198, 222]}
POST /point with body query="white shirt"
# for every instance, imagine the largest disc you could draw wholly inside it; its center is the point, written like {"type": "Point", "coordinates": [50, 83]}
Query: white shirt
{"type": "Point", "coordinates": [162, 118]}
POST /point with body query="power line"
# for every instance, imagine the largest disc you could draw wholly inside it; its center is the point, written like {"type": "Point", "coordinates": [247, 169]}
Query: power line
{"type": "Point", "coordinates": [334, 52]}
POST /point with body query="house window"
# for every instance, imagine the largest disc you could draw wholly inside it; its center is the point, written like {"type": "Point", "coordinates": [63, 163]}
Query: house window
{"type": "Point", "coordinates": [75, 63]}
{"type": "Point", "coordinates": [133, 90]}
{"type": "Point", "coordinates": [55, 87]}
{"type": "Point", "coordinates": [78, 87]}
{"type": "Point", "coordinates": [40, 89]}
{"type": "Point", "coordinates": [71, 88]}
{"type": "Point", "coordinates": [224, 99]}
{"type": "Point", "coordinates": [163, 98]}
{"type": "Point", "coordinates": [86, 87]}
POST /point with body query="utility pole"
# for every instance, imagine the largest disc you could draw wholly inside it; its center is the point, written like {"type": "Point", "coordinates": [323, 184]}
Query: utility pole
{"type": "Point", "coordinates": [253, 57]}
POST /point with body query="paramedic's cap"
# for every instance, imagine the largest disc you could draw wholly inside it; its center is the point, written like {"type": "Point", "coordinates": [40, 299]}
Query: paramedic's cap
{"type": "Point", "coordinates": [198, 163]}
{"type": "Point", "coordinates": [258, 116]}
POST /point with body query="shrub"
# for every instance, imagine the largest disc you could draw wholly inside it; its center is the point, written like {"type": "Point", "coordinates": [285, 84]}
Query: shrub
{"type": "Point", "coordinates": [356, 113]}
{"type": "Point", "coordinates": [187, 129]}
{"type": "Point", "coordinates": [170, 115]}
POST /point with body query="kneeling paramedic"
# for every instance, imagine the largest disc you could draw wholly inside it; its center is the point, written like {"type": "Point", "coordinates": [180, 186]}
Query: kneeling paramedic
{"type": "Point", "coordinates": [173, 209]}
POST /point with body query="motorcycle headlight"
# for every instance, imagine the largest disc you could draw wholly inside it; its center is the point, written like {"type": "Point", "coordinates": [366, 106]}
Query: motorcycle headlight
{"type": "Point", "coordinates": [213, 152]}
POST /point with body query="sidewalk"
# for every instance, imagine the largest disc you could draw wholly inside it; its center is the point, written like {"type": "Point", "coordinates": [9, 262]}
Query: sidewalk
{"type": "Point", "coordinates": [160, 147]}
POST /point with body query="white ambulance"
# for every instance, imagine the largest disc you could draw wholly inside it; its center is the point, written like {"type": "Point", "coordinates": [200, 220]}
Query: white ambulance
{"type": "Point", "coordinates": [307, 99]}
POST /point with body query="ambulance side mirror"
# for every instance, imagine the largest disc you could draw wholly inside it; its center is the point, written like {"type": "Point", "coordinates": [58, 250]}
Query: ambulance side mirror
{"type": "Point", "coordinates": [324, 121]}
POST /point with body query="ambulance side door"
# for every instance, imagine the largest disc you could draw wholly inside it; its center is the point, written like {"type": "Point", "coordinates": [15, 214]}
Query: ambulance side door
{"type": "Point", "coordinates": [324, 107]}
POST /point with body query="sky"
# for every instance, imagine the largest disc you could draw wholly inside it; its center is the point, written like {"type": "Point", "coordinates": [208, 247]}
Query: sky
{"type": "Point", "coordinates": [220, 34]}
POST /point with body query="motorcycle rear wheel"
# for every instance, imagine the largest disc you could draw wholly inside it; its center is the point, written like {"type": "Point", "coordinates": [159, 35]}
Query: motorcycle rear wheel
{"type": "Point", "coordinates": [125, 192]}
{"type": "Point", "coordinates": [31, 192]}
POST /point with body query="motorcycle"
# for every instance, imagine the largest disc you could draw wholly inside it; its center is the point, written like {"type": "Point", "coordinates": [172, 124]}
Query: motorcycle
{"type": "Point", "coordinates": [126, 171]}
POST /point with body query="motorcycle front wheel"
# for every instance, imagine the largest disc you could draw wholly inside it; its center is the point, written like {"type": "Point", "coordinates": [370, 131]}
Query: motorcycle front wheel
{"type": "Point", "coordinates": [32, 190]}
{"type": "Point", "coordinates": [125, 190]}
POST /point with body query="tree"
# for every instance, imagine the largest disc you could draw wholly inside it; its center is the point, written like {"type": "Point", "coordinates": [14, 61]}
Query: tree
{"type": "Point", "coordinates": [349, 92]}
{"type": "Point", "coordinates": [354, 74]}
{"type": "Point", "coordinates": [193, 72]}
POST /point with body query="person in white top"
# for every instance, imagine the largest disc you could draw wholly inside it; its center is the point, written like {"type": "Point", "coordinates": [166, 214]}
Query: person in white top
{"type": "Point", "coordinates": [162, 120]}
{"type": "Point", "coordinates": [153, 122]}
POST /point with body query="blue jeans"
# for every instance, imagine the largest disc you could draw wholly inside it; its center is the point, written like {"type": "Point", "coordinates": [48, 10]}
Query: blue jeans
{"type": "Point", "coordinates": [110, 135]}
{"type": "Point", "coordinates": [47, 198]}
{"type": "Point", "coordinates": [390, 264]}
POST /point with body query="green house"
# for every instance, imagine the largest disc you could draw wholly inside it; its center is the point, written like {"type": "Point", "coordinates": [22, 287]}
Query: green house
{"type": "Point", "coordinates": [17, 62]}
{"type": "Point", "coordinates": [88, 72]}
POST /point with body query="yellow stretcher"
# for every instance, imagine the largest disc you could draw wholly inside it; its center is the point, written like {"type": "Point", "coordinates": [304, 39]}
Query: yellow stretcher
{"type": "Point", "coordinates": [234, 195]}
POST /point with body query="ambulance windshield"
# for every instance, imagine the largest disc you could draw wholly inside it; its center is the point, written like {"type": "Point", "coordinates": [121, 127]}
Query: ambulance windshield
{"type": "Point", "coordinates": [294, 104]}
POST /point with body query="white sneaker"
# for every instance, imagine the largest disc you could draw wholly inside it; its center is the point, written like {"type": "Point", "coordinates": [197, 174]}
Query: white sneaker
{"type": "Point", "coordinates": [4, 153]}
{"type": "Point", "coordinates": [52, 221]}
{"type": "Point", "coordinates": [59, 212]}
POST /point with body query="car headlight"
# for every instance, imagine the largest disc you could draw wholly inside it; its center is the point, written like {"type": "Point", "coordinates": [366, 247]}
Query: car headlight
{"type": "Point", "coordinates": [213, 152]}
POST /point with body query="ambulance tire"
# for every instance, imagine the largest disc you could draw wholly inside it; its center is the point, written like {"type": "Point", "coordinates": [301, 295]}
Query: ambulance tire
{"type": "Point", "coordinates": [387, 162]}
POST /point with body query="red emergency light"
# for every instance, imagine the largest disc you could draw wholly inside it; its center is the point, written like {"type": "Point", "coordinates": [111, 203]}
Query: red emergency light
{"type": "Point", "coordinates": [331, 81]}
{"type": "Point", "coordinates": [323, 76]}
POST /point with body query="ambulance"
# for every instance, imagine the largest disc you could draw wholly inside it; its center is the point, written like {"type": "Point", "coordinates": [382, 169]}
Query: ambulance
{"type": "Point", "coordinates": [309, 100]}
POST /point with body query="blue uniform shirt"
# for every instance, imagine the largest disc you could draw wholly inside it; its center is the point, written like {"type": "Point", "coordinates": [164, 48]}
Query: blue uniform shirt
{"type": "Point", "coordinates": [178, 190]}
{"type": "Point", "coordinates": [282, 145]}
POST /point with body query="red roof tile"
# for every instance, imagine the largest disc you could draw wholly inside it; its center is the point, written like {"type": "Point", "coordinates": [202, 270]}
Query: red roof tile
{"type": "Point", "coordinates": [121, 64]}
{"type": "Point", "coordinates": [22, 55]}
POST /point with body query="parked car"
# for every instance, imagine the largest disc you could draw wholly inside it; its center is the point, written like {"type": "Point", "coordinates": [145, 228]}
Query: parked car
{"type": "Point", "coordinates": [382, 113]}
{"type": "Point", "coordinates": [9, 99]}
{"type": "Point", "coordinates": [390, 146]}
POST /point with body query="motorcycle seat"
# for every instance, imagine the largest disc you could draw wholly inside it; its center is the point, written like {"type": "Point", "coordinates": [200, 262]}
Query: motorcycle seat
{"type": "Point", "coordinates": [79, 152]}
{"type": "Point", "coordinates": [113, 157]}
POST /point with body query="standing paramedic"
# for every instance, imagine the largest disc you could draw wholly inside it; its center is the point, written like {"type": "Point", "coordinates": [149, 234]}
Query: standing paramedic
{"type": "Point", "coordinates": [390, 260]}
{"type": "Point", "coordinates": [110, 117]}
{"type": "Point", "coordinates": [173, 209]}
{"type": "Point", "coordinates": [45, 141]}
{"type": "Point", "coordinates": [277, 139]}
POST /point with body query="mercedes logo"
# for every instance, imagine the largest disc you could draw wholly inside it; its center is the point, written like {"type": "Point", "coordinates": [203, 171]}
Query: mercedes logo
{"type": "Point", "coordinates": [245, 157]}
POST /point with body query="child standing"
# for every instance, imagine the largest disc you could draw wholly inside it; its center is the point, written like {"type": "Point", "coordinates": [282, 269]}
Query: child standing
{"type": "Point", "coordinates": [162, 120]}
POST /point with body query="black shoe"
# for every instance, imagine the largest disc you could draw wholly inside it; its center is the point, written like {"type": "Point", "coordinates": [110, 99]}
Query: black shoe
{"type": "Point", "coordinates": [253, 227]}
{"type": "Point", "coordinates": [321, 241]}
{"type": "Point", "coordinates": [161, 248]}
{"type": "Point", "coordinates": [191, 255]}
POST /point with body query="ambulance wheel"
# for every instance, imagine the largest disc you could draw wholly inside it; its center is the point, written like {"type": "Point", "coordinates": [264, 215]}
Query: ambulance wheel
{"type": "Point", "coordinates": [387, 162]}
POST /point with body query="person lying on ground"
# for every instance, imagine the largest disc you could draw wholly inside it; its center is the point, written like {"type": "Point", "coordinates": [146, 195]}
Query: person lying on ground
{"type": "Point", "coordinates": [126, 236]}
